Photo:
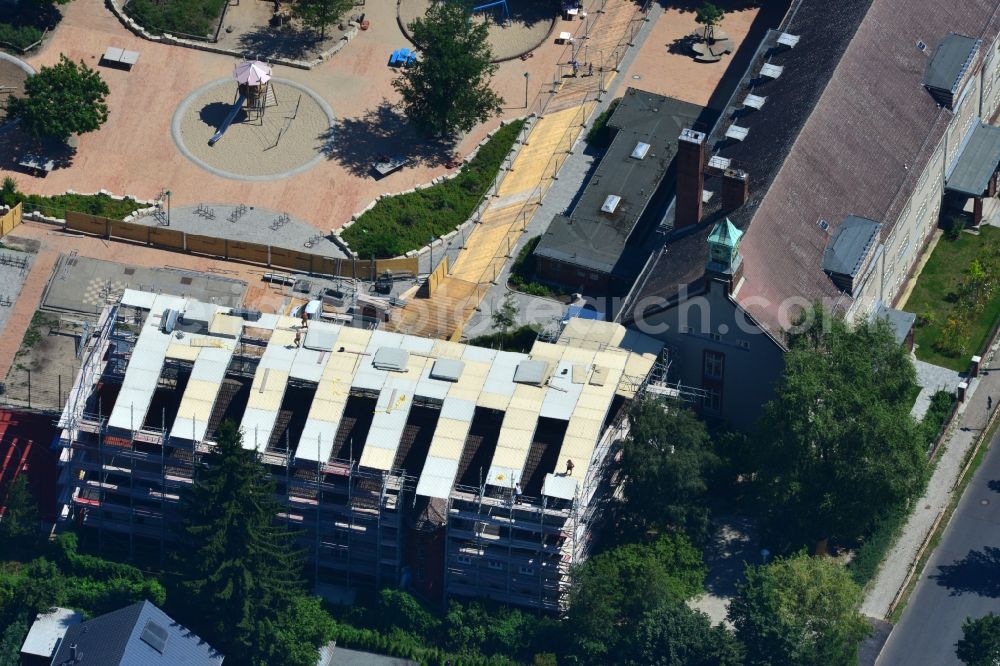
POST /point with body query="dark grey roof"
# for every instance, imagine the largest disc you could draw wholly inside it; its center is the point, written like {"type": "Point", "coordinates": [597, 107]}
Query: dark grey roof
{"type": "Point", "coordinates": [115, 639]}
{"type": "Point", "coordinates": [951, 59]}
{"type": "Point", "coordinates": [900, 322]}
{"type": "Point", "coordinates": [849, 245]}
{"type": "Point", "coordinates": [596, 240]}
{"type": "Point", "coordinates": [979, 160]}
{"type": "Point", "coordinates": [344, 657]}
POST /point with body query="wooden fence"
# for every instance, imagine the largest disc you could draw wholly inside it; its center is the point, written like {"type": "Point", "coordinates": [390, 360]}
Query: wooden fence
{"type": "Point", "coordinates": [231, 250]}
{"type": "Point", "coordinates": [10, 219]}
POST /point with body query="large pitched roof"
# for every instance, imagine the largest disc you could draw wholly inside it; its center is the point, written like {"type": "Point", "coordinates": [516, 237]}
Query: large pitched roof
{"type": "Point", "coordinates": [853, 156]}
{"type": "Point", "coordinates": [117, 639]}
{"type": "Point", "coordinates": [837, 136]}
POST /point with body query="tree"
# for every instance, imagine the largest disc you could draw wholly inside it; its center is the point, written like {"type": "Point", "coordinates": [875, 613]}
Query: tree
{"type": "Point", "coordinates": [665, 460]}
{"type": "Point", "coordinates": [41, 586]}
{"type": "Point", "coordinates": [980, 642]}
{"type": "Point", "coordinates": [709, 16]}
{"type": "Point", "coordinates": [612, 591]}
{"type": "Point", "coordinates": [321, 13]}
{"type": "Point", "coordinates": [505, 315]}
{"type": "Point", "coordinates": [19, 528]}
{"type": "Point", "coordinates": [61, 100]}
{"type": "Point", "coordinates": [800, 610]}
{"type": "Point", "coordinates": [837, 448]}
{"type": "Point", "coordinates": [11, 641]}
{"type": "Point", "coordinates": [447, 89]}
{"type": "Point", "coordinates": [673, 634]}
{"type": "Point", "coordinates": [241, 579]}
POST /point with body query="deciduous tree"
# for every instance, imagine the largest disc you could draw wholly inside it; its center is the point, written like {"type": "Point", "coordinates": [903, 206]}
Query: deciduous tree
{"type": "Point", "coordinates": [447, 89]}
{"type": "Point", "coordinates": [612, 591]}
{"type": "Point", "coordinates": [319, 14]}
{"type": "Point", "coordinates": [61, 100]}
{"type": "Point", "coordinates": [837, 447]}
{"type": "Point", "coordinates": [980, 642]}
{"type": "Point", "coordinates": [674, 634]}
{"type": "Point", "coordinates": [20, 526]}
{"type": "Point", "coordinates": [800, 610]}
{"type": "Point", "coordinates": [665, 460]}
{"type": "Point", "coordinates": [505, 314]}
{"type": "Point", "coordinates": [709, 16]}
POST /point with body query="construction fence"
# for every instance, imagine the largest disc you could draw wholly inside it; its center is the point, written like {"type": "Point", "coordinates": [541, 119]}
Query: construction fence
{"type": "Point", "coordinates": [10, 219]}
{"type": "Point", "coordinates": [232, 250]}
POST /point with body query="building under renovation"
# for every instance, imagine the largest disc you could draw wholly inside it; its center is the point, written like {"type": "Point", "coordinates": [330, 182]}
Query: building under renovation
{"type": "Point", "coordinates": [402, 461]}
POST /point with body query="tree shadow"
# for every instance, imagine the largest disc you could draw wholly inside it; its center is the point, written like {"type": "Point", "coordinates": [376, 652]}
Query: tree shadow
{"type": "Point", "coordinates": [732, 544]}
{"type": "Point", "coordinates": [694, 5]}
{"type": "Point", "coordinates": [977, 573]}
{"type": "Point", "coordinates": [530, 12]}
{"type": "Point", "coordinates": [357, 143]}
{"type": "Point", "coordinates": [15, 145]}
{"type": "Point", "coordinates": [682, 46]}
{"type": "Point", "coordinates": [287, 41]}
{"type": "Point", "coordinates": [994, 485]}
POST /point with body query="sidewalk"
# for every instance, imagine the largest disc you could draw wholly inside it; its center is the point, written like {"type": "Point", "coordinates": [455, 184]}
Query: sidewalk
{"type": "Point", "coordinates": [971, 419]}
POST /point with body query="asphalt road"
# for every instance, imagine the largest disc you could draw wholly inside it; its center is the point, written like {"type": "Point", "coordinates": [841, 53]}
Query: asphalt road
{"type": "Point", "coordinates": [962, 577]}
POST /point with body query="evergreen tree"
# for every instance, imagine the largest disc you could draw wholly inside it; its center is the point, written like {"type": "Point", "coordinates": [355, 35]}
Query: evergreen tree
{"type": "Point", "coordinates": [19, 528]}
{"type": "Point", "coordinates": [448, 89]}
{"type": "Point", "coordinates": [240, 577]}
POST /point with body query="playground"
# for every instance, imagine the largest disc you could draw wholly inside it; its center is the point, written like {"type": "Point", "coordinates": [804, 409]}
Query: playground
{"type": "Point", "coordinates": [253, 126]}
{"type": "Point", "coordinates": [516, 27]}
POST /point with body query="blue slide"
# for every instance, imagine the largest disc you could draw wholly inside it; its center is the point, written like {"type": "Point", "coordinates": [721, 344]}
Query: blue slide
{"type": "Point", "coordinates": [228, 121]}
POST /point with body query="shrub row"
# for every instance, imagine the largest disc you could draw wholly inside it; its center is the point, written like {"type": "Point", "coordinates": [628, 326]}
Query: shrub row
{"type": "Point", "coordinates": [19, 37]}
{"type": "Point", "coordinates": [192, 17]}
{"type": "Point", "coordinates": [57, 205]}
{"type": "Point", "coordinates": [399, 224]}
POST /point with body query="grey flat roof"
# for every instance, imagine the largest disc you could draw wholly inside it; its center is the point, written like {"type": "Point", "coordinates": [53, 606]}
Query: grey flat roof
{"type": "Point", "coordinates": [47, 630]}
{"type": "Point", "coordinates": [901, 322]}
{"type": "Point", "coordinates": [951, 58]}
{"type": "Point", "coordinates": [977, 163]}
{"type": "Point", "coordinates": [391, 358]}
{"type": "Point", "coordinates": [849, 245]}
{"type": "Point", "coordinates": [593, 239]}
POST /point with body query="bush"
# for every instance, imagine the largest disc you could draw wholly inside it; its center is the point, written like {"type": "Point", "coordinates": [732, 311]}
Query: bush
{"type": "Point", "coordinates": [952, 222]}
{"type": "Point", "coordinates": [57, 205]}
{"type": "Point", "coordinates": [522, 273]}
{"type": "Point", "coordinates": [938, 412]}
{"type": "Point", "coordinates": [407, 222]}
{"type": "Point", "coordinates": [868, 558]}
{"type": "Point", "coordinates": [192, 17]}
{"type": "Point", "coordinates": [519, 340]}
{"type": "Point", "coordinates": [599, 135]}
{"type": "Point", "coordinates": [19, 37]}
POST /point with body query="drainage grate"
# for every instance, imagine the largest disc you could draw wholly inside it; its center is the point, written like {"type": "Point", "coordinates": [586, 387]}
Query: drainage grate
{"type": "Point", "coordinates": [186, 280]}
{"type": "Point", "coordinates": [129, 271]}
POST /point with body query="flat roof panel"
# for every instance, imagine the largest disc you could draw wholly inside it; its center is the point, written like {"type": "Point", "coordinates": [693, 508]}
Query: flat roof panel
{"type": "Point", "coordinates": [138, 299]}
{"type": "Point", "coordinates": [557, 485]}
{"type": "Point", "coordinates": [322, 336]}
{"type": "Point", "coordinates": [437, 478]}
{"type": "Point", "coordinates": [308, 364]}
{"type": "Point", "coordinates": [458, 409]}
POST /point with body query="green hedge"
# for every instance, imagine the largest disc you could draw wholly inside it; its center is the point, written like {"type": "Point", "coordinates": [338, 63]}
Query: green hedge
{"type": "Point", "coordinates": [19, 37]}
{"type": "Point", "coordinates": [599, 135]}
{"type": "Point", "coordinates": [522, 274]}
{"type": "Point", "coordinates": [191, 17]}
{"type": "Point", "coordinates": [57, 205]}
{"type": "Point", "coordinates": [407, 222]}
{"type": "Point", "coordinates": [519, 340]}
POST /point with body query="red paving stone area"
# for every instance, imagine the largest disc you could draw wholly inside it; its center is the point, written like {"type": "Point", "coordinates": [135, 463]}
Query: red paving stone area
{"type": "Point", "coordinates": [135, 154]}
{"type": "Point", "coordinates": [25, 448]}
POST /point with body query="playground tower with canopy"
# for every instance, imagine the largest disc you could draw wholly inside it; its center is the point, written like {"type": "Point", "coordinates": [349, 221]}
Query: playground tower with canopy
{"type": "Point", "coordinates": [254, 93]}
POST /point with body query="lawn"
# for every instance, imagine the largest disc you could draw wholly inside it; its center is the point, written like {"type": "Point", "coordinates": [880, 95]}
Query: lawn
{"type": "Point", "coordinates": [934, 298]}
{"type": "Point", "coordinates": [407, 222]}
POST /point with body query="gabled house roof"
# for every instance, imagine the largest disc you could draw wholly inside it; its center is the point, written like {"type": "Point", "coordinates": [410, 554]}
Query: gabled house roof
{"type": "Point", "coordinates": [137, 635]}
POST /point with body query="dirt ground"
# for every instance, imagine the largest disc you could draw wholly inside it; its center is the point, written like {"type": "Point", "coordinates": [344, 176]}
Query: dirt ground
{"type": "Point", "coordinates": [248, 28]}
{"type": "Point", "coordinates": [11, 84]}
{"type": "Point", "coordinates": [46, 361]}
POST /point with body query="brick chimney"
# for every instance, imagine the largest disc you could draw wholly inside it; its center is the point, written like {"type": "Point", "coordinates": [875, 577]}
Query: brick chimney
{"type": "Point", "coordinates": [735, 189]}
{"type": "Point", "coordinates": [690, 178]}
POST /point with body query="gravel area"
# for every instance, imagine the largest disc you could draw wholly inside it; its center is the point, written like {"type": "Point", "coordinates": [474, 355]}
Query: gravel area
{"type": "Point", "coordinates": [529, 26]}
{"type": "Point", "coordinates": [248, 150]}
{"type": "Point", "coordinates": [252, 225]}
{"type": "Point", "coordinates": [12, 277]}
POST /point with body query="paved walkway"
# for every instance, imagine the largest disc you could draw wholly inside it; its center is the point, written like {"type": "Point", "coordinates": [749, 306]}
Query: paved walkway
{"type": "Point", "coordinates": [931, 379]}
{"type": "Point", "coordinates": [891, 577]}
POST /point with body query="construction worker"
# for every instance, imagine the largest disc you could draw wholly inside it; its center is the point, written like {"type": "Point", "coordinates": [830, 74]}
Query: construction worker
{"type": "Point", "coordinates": [569, 467]}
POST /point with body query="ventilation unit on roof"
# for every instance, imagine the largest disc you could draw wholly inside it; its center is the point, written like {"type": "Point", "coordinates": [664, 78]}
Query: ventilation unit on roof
{"type": "Point", "coordinates": [169, 320]}
{"type": "Point", "coordinates": [788, 40]}
{"type": "Point", "coordinates": [771, 71]}
{"type": "Point", "coordinates": [154, 636]}
{"type": "Point", "coordinates": [921, 46]}
{"type": "Point", "coordinates": [391, 358]}
{"type": "Point", "coordinates": [737, 133]}
{"type": "Point", "coordinates": [611, 203]}
{"type": "Point", "coordinates": [754, 101]}
{"type": "Point", "coordinates": [824, 225]}
{"type": "Point", "coordinates": [719, 162]}
{"type": "Point", "coordinates": [640, 150]}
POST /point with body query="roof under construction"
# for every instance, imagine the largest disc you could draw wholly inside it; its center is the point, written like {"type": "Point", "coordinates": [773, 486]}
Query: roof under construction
{"type": "Point", "coordinates": [573, 380]}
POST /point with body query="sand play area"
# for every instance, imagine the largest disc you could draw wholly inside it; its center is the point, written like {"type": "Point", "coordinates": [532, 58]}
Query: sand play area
{"type": "Point", "coordinates": [529, 25]}
{"type": "Point", "coordinates": [290, 137]}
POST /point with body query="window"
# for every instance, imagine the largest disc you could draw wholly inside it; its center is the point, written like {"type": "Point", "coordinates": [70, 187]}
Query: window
{"type": "Point", "coordinates": [744, 344]}
{"type": "Point", "coordinates": [421, 573]}
{"type": "Point", "coordinates": [464, 559]}
{"type": "Point", "coordinates": [526, 571]}
{"type": "Point", "coordinates": [712, 402]}
{"type": "Point", "coordinates": [496, 566]}
{"type": "Point", "coordinates": [714, 364]}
